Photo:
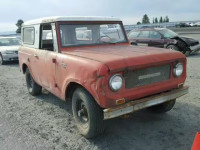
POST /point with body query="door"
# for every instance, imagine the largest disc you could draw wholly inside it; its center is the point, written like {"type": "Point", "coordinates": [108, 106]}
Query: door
{"type": "Point", "coordinates": [143, 38]}
{"type": "Point", "coordinates": [46, 57]}
{"type": "Point", "coordinates": [155, 39]}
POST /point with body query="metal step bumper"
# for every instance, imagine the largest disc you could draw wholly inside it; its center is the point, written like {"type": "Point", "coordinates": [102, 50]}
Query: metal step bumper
{"type": "Point", "coordinates": [144, 103]}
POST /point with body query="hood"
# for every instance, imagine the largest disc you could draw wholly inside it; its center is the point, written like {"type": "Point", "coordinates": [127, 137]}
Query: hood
{"type": "Point", "coordinates": [119, 57]}
{"type": "Point", "coordinates": [9, 48]}
{"type": "Point", "coordinates": [189, 41]}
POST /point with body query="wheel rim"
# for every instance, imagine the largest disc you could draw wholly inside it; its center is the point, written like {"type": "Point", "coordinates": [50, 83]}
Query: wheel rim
{"type": "Point", "coordinates": [173, 48]}
{"type": "Point", "coordinates": [82, 112]}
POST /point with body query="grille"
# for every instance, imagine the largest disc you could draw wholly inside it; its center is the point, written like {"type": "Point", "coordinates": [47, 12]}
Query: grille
{"type": "Point", "coordinates": [147, 76]}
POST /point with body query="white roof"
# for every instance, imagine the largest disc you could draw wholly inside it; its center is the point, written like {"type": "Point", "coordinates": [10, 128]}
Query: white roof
{"type": "Point", "coordinates": [70, 18]}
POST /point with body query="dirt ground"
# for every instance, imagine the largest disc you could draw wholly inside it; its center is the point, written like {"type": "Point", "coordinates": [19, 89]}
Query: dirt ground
{"type": "Point", "coordinates": [46, 123]}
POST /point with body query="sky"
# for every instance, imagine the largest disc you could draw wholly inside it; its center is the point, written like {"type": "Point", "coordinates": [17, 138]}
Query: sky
{"type": "Point", "coordinates": [129, 11]}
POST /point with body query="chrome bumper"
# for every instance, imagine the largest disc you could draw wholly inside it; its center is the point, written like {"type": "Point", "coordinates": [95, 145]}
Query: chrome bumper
{"type": "Point", "coordinates": [144, 103]}
{"type": "Point", "coordinates": [195, 48]}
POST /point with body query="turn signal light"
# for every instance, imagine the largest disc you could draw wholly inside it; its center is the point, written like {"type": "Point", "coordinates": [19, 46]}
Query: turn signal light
{"type": "Point", "coordinates": [120, 101]}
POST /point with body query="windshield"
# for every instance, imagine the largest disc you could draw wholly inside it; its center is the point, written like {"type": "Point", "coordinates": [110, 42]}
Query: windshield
{"type": "Point", "coordinates": [9, 41]}
{"type": "Point", "coordinates": [168, 33]}
{"type": "Point", "coordinates": [91, 34]}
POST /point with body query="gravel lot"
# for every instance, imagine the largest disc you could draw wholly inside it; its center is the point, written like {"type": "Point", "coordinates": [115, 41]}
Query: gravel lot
{"type": "Point", "coordinates": [46, 123]}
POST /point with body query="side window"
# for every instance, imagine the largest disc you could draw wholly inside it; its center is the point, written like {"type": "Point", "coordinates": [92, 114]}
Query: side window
{"type": "Point", "coordinates": [46, 40]}
{"type": "Point", "coordinates": [134, 34]}
{"type": "Point", "coordinates": [144, 34]}
{"type": "Point", "coordinates": [154, 35]}
{"type": "Point", "coordinates": [29, 35]}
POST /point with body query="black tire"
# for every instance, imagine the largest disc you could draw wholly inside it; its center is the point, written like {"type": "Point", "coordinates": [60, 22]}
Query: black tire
{"type": "Point", "coordinates": [164, 107]}
{"type": "Point", "coordinates": [173, 47]}
{"type": "Point", "coordinates": [33, 88]}
{"type": "Point", "coordinates": [87, 114]}
{"type": "Point", "coordinates": [1, 60]}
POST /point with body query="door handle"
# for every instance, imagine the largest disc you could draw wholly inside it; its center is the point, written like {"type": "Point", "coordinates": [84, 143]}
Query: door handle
{"type": "Point", "coordinates": [36, 56]}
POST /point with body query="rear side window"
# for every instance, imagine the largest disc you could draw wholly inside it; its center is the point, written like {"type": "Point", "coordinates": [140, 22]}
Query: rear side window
{"type": "Point", "coordinates": [154, 35]}
{"type": "Point", "coordinates": [29, 35]}
{"type": "Point", "coordinates": [144, 34]}
{"type": "Point", "coordinates": [134, 34]}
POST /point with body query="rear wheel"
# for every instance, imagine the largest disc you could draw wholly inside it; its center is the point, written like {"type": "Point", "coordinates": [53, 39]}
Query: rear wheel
{"type": "Point", "coordinates": [87, 113]}
{"type": "Point", "coordinates": [1, 60]}
{"type": "Point", "coordinates": [164, 107]}
{"type": "Point", "coordinates": [32, 86]}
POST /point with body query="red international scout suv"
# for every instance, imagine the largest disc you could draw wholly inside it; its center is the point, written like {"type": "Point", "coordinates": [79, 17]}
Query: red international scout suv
{"type": "Point", "coordinates": [90, 61]}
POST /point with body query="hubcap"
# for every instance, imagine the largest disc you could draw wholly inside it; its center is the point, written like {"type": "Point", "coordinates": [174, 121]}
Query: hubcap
{"type": "Point", "coordinates": [82, 112]}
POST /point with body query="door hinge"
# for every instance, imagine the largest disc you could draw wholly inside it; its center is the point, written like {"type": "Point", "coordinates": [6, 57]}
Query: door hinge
{"type": "Point", "coordinates": [54, 60]}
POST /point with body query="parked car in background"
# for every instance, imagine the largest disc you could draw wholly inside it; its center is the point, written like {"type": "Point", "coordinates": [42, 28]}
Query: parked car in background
{"type": "Point", "coordinates": [90, 61]}
{"type": "Point", "coordinates": [163, 38]}
{"type": "Point", "coordinates": [197, 24]}
{"type": "Point", "coordinates": [191, 24]}
{"type": "Point", "coordinates": [8, 49]}
{"type": "Point", "coordinates": [181, 25]}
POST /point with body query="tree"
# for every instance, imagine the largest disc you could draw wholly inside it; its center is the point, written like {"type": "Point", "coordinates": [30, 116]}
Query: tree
{"type": "Point", "coordinates": [153, 20]}
{"type": "Point", "coordinates": [161, 20]}
{"type": "Point", "coordinates": [138, 23]}
{"type": "Point", "coordinates": [156, 20]}
{"type": "Point", "coordinates": [166, 19]}
{"type": "Point", "coordinates": [145, 19]}
{"type": "Point", "coordinates": [19, 25]}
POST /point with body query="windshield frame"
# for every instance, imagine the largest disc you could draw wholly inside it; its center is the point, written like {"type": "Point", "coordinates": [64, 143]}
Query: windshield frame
{"type": "Point", "coordinates": [89, 23]}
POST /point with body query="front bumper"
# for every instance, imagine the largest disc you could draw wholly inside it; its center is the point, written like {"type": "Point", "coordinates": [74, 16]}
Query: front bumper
{"type": "Point", "coordinates": [195, 48]}
{"type": "Point", "coordinates": [144, 103]}
{"type": "Point", "coordinates": [10, 57]}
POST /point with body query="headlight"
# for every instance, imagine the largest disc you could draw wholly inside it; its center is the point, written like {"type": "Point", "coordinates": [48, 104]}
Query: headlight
{"type": "Point", "coordinates": [178, 70]}
{"type": "Point", "coordinates": [116, 82]}
{"type": "Point", "coordinates": [9, 52]}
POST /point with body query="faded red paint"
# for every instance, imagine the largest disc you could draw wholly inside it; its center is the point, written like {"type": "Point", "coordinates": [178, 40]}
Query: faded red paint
{"type": "Point", "coordinates": [92, 67]}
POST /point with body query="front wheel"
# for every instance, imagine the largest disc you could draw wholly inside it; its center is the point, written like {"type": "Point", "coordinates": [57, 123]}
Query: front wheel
{"type": "Point", "coordinates": [173, 47]}
{"type": "Point", "coordinates": [87, 114]}
{"type": "Point", "coordinates": [33, 88]}
{"type": "Point", "coordinates": [164, 107]}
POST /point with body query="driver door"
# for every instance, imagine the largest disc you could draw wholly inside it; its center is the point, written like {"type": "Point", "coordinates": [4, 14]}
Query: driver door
{"type": "Point", "coordinates": [46, 56]}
